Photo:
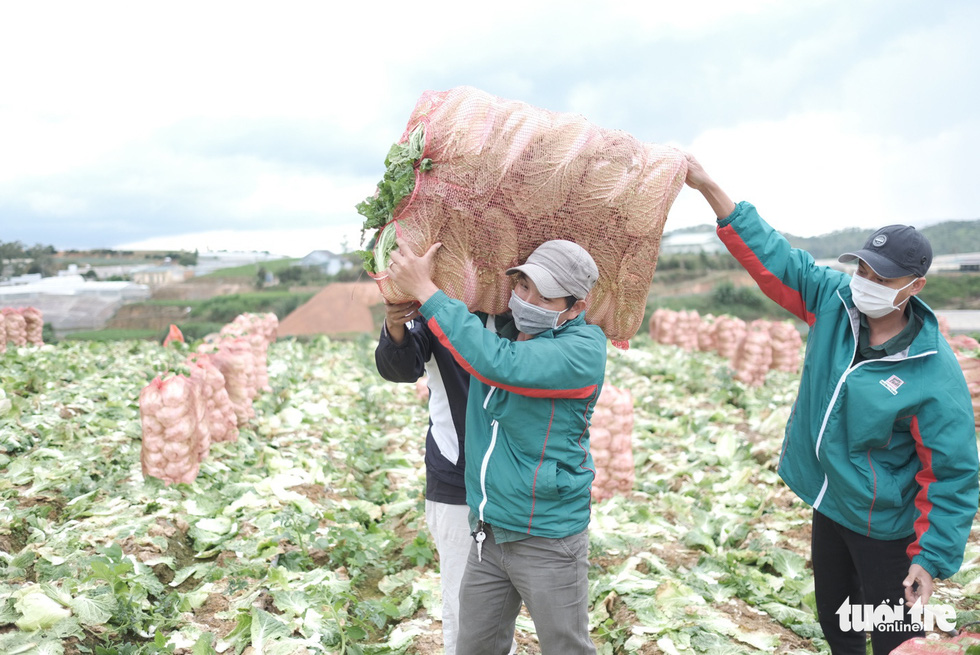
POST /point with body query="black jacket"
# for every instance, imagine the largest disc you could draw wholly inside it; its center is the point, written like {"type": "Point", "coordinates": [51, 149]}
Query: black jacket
{"type": "Point", "coordinates": [418, 354]}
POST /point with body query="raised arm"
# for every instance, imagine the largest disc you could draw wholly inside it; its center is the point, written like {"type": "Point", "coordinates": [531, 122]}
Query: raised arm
{"type": "Point", "coordinates": [699, 180]}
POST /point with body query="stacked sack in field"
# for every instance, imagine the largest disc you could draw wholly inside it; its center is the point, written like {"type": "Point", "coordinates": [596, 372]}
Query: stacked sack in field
{"type": "Point", "coordinates": [676, 328]}
{"type": "Point", "coordinates": [967, 351]}
{"type": "Point", "coordinates": [20, 327]}
{"type": "Point", "coordinates": [729, 332]}
{"type": "Point", "coordinates": [708, 333]}
{"type": "Point", "coordinates": [221, 420]}
{"type": "Point", "coordinates": [35, 325]}
{"type": "Point", "coordinates": [611, 443]}
{"type": "Point", "coordinates": [182, 415]}
{"type": "Point", "coordinates": [259, 330]}
{"type": "Point", "coordinates": [16, 326]}
{"type": "Point", "coordinates": [171, 413]}
{"type": "Point", "coordinates": [661, 326]}
{"type": "Point", "coordinates": [787, 344]}
{"type": "Point", "coordinates": [495, 178]}
{"type": "Point", "coordinates": [754, 354]}
{"type": "Point", "coordinates": [751, 349]}
{"type": "Point", "coordinates": [239, 350]}
{"type": "Point", "coordinates": [233, 356]}
{"type": "Point", "coordinates": [688, 330]}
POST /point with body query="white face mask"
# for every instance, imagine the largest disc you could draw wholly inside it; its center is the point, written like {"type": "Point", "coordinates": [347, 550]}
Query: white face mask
{"type": "Point", "coordinates": [531, 319]}
{"type": "Point", "coordinates": [875, 300]}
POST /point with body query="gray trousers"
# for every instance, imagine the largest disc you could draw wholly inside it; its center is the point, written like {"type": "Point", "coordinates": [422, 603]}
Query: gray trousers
{"type": "Point", "coordinates": [549, 575]}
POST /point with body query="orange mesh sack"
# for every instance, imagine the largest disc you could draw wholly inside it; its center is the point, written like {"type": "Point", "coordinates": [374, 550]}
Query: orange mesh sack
{"type": "Point", "coordinates": [495, 178]}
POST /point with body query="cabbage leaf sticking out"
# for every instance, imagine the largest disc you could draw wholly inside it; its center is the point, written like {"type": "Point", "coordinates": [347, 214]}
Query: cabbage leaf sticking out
{"type": "Point", "coordinates": [38, 611]}
{"type": "Point", "coordinates": [397, 184]}
{"type": "Point", "coordinates": [384, 246]}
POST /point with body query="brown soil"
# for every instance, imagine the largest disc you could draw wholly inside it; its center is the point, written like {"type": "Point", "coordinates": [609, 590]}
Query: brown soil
{"type": "Point", "coordinates": [340, 308]}
{"type": "Point", "coordinates": [199, 289]}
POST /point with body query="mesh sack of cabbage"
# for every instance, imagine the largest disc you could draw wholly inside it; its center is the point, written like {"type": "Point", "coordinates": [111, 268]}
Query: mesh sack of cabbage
{"type": "Point", "coordinates": [34, 320]}
{"type": "Point", "coordinates": [259, 330]}
{"type": "Point", "coordinates": [491, 179]}
{"type": "Point", "coordinates": [171, 413]}
{"type": "Point", "coordinates": [611, 443]}
{"type": "Point", "coordinates": [234, 357]}
{"type": "Point", "coordinates": [16, 326]}
{"type": "Point", "coordinates": [220, 422]}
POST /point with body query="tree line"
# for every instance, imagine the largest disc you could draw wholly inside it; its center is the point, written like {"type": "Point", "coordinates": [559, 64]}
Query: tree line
{"type": "Point", "coordinates": [947, 238]}
{"type": "Point", "coordinates": [18, 259]}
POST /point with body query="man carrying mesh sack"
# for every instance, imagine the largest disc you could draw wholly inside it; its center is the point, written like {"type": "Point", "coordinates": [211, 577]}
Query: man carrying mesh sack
{"type": "Point", "coordinates": [534, 384]}
{"type": "Point", "coordinates": [408, 350]}
{"type": "Point", "coordinates": [881, 442]}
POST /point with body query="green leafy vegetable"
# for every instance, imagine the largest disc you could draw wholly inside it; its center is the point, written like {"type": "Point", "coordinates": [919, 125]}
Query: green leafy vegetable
{"type": "Point", "coordinates": [37, 609]}
{"type": "Point", "coordinates": [309, 531]}
{"type": "Point", "coordinates": [396, 185]}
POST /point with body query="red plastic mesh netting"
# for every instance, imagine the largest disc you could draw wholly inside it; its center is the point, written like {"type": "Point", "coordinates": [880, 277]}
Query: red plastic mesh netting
{"type": "Point", "coordinates": [507, 176]}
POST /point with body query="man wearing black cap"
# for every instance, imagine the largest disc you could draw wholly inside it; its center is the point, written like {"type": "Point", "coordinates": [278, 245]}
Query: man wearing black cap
{"type": "Point", "coordinates": [529, 471]}
{"type": "Point", "coordinates": [881, 442]}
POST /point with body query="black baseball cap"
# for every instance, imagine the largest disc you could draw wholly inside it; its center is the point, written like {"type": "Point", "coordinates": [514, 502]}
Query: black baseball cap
{"type": "Point", "coordinates": [894, 251]}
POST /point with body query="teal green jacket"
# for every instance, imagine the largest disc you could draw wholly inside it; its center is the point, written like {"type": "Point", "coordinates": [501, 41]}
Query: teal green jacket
{"type": "Point", "coordinates": [528, 465]}
{"type": "Point", "coordinates": [886, 447]}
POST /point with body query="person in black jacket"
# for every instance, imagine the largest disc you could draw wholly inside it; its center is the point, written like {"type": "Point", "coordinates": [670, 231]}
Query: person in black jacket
{"type": "Point", "coordinates": [406, 351]}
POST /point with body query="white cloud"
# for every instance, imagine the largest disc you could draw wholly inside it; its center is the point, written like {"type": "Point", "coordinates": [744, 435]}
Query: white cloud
{"type": "Point", "coordinates": [285, 242]}
{"type": "Point", "coordinates": [227, 117]}
{"type": "Point", "coordinates": [814, 173]}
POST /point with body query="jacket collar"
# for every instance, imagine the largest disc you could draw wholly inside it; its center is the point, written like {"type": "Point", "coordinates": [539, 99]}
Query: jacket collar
{"type": "Point", "coordinates": [928, 337]}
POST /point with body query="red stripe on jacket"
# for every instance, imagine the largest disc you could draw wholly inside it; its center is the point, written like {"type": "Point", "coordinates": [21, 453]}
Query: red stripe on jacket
{"type": "Point", "coordinates": [787, 298]}
{"type": "Point", "coordinates": [925, 477]}
{"type": "Point", "coordinates": [580, 392]}
{"type": "Point", "coordinates": [585, 451]}
{"type": "Point", "coordinates": [874, 495]}
{"type": "Point", "coordinates": [534, 482]}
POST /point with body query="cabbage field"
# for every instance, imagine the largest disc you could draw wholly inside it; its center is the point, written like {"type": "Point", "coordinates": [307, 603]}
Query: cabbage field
{"type": "Point", "coordinates": [306, 535]}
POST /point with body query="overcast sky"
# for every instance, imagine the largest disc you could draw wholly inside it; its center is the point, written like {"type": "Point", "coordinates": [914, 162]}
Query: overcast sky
{"type": "Point", "coordinates": [259, 126]}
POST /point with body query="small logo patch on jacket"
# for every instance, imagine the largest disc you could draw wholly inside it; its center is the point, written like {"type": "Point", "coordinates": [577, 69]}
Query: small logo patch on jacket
{"type": "Point", "coordinates": [892, 384]}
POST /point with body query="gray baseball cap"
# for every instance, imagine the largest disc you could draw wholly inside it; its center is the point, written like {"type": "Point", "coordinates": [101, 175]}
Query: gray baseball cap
{"type": "Point", "coordinates": [559, 269]}
{"type": "Point", "coordinates": [894, 251]}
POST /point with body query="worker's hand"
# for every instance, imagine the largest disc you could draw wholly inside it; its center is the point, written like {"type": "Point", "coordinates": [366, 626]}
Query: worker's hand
{"type": "Point", "coordinates": [918, 585]}
{"type": "Point", "coordinates": [699, 180]}
{"type": "Point", "coordinates": [696, 175]}
{"type": "Point", "coordinates": [411, 273]}
{"type": "Point", "coordinates": [397, 315]}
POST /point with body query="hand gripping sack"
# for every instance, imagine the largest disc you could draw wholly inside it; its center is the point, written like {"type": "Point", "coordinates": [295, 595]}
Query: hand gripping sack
{"type": "Point", "coordinates": [501, 177]}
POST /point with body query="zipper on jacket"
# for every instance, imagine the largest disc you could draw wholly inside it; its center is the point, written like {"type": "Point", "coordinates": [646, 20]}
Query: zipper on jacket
{"type": "Point", "coordinates": [840, 384]}
{"type": "Point", "coordinates": [480, 535]}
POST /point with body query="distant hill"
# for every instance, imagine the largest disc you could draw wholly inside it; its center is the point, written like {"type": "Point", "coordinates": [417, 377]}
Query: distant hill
{"type": "Point", "coordinates": [947, 238]}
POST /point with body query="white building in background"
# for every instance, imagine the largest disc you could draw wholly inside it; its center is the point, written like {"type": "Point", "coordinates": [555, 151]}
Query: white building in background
{"type": "Point", "coordinates": [677, 243]}
{"type": "Point", "coordinates": [158, 276]}
{"type": "Point", "coordinates": [215, 260]}
{"type": "Point", "coordinates": [326, 261]}
{"type": "Point", "coordinates": [18, 280]}
{"type": "Point", "coordinates": [70, 302]}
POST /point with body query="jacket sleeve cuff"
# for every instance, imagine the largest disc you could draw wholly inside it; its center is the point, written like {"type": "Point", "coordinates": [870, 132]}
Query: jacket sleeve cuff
{"type": "Point", "coordinates": [436, 302]}
{"type": "Point", "coordinates": [740, 208]}
{"type": "Point", "coordinates": [927, 565]}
